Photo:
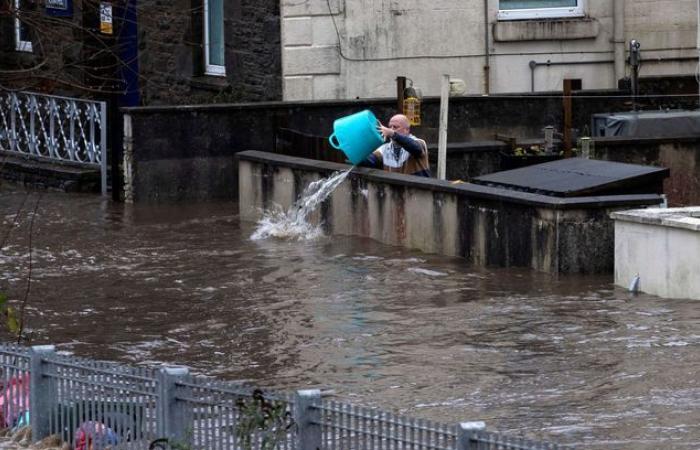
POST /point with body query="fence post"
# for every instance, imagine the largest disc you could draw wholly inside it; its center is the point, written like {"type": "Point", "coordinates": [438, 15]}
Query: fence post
{"type": "Point", "coordinates": [308, 419]}
{"type": "Point", "coordinates": [39, 392]}
{"type": "Point", "coordinates": [465, 433]}
{"type": "Point", "coordinates": [171, 415]}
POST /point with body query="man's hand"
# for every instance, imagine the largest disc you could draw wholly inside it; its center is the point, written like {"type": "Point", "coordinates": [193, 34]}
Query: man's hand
{"type": "Point", "coordinates": [386, 132]}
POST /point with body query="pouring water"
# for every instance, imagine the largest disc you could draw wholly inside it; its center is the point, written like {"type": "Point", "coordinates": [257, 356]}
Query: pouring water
{"type": "Point", "coordinates": [293, 223]}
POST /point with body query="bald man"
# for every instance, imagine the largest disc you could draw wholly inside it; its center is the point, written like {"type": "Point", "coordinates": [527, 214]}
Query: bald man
{"type": "Point", "coordinates": [403, 152]}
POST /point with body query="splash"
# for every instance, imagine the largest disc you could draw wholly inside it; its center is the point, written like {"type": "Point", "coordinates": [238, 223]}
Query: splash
{"type": "Point", "coordinates": [293, 223]}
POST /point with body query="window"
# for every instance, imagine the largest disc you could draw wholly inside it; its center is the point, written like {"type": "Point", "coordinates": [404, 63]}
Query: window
{"type": "Point", "coordinates": [214, 37]}
{"type": "Point", "coordinates": [23, 40]}
{"type": "Point", "coordinates": [539, 9]}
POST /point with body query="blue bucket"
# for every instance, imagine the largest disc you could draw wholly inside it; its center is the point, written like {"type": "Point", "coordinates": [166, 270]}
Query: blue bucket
{"type": "Point", "coordinates": [356, 135]}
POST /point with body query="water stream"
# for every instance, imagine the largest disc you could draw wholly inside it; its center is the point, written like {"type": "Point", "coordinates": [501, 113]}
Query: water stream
{"type": "Point", "coordinates": [570, 359]}
{"type": "Point", "coordinates": [293, 223]}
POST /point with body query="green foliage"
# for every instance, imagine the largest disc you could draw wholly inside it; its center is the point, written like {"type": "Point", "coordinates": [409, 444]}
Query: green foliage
{"type": "Point", "coordinates": [268, 418]}
{"type": "Point", "coordinates": [10, 316]}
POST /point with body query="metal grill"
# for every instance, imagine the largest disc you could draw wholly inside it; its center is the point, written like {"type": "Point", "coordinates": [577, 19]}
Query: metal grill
{"type": "Point", "coordinates": [98, 405]}
{"type": "Point", "coordinates": [55, 128]}
{"type": "Point", "coordinates": [101, 404]}
{"type": "Point", "coordinates": [485, 440]}
{"type": "Point", "coordinates": [350, 427]}
{"type": "Point", "coordinates": [226, 416]}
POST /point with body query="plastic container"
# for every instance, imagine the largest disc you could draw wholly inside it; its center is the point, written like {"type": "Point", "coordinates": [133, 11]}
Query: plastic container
{"type": "Point", "coordinates": [356, 135]}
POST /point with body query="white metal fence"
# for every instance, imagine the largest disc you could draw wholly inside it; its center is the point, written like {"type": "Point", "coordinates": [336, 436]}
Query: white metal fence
{"type": "Point", "coordinates": [98, 405]}
{"type": "Point", "coordinates": [56, 128]}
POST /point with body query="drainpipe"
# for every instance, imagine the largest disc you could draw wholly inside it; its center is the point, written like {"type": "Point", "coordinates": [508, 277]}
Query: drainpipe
{"type": "Point", "coordinates": [697, 44]}
{"type": "Point", "coordinates": [619, 39]}
{"type": "Point", "coordinates": [487, 65]}
{"type": "Point", "coordinates": [534, 64]}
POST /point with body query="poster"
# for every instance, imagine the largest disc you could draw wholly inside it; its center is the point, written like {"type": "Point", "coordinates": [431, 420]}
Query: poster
{"type": "Point", "coordinates": [106, 18]}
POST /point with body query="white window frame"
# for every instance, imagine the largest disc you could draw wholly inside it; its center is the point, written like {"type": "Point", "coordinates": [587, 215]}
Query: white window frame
{"type": "Point", "coordinates": [544, 13]}
{"type": "Point", "coordinates": [210, 69]}
{"type": "Point", "coordinates": [20, 45]}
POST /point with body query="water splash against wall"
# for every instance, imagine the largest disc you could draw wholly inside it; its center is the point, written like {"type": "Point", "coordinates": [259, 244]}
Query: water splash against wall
{"type": "Point", "coordinates": [293, 223]}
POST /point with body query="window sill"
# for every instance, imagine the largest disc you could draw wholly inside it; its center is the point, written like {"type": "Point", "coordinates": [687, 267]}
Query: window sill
{"type": "Point", "coordinates": [545, 30]}
{"type": "Point", "coordinates": [212, 83]}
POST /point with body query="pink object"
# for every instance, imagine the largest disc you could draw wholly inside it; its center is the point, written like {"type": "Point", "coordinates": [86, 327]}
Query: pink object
{"type": "Point", "coordinates": [14, 399]}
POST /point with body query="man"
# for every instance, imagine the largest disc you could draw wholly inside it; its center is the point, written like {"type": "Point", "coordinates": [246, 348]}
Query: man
{"type": "Point", "coordinates": [403, 153]}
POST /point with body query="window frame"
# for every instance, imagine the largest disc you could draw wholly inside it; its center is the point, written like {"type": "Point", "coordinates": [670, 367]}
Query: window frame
{"type": "Point", "coordinates": [20, 45]}
{"type": "Point", "coordinates": [210, 69]}
{"type": "Point", "coordinates": [544, 13]}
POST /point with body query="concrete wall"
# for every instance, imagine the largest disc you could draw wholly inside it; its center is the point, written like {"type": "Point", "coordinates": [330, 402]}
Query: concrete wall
{"type": "Point", "coordinates": [486, 226]}
{"type": "Point", "coordinates": [662, 247]}
{"type": "Point", "coordinates": [681, 155]}
{"type": "Point", "coordinates": [358, 48]}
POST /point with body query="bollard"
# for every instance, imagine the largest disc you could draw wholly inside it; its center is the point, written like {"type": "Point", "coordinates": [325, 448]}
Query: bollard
{"type": "Point", "coordinates": [465, 434]}
{"type": "Point", "coordinates": [548, 139]}
{"type": "Point", "coordinates": [307, 416]}
{"type": "Point", "coordinates": [40, 395]}
{"type": "Point", "coordinates": [586, 147]}
{"type": "Point", "coordinates": [173, 417]}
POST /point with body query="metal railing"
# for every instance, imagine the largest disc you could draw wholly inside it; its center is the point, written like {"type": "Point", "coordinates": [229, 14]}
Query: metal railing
{"type": "Point", "coordinates": [99, 405]}
{"type": "Point", "coordinates": [55, 128]}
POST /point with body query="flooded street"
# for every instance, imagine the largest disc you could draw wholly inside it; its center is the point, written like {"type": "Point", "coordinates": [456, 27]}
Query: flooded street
{"type": "Point", "coordinates": [570, 359]}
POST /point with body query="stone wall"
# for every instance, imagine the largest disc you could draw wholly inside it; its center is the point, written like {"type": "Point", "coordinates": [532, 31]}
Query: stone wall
{"type": "Point", "coordinates": [487, 226]}
{"type": "Point", "coordinates": [170, 40]}
{"type": "Point", "coordinates": [171, 57]}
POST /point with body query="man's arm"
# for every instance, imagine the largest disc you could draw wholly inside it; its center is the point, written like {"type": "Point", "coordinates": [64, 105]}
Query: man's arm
{"type": "Point", "coordinates": [409, 144]}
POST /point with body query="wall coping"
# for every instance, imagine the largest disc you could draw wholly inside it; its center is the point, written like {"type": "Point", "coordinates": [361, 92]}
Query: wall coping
{"type": "Point", "coordinates": [367, 102]}
{"type": "Point", "coordinates": [620, 141]}
{"type": "Point", "coordinates": [466, 189]}
{"type": "Point", "coordinates": [686, 218]}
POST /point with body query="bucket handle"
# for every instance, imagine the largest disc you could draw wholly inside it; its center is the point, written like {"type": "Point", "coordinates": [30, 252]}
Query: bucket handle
{"type": "Point", "coordinates": [334, 141]}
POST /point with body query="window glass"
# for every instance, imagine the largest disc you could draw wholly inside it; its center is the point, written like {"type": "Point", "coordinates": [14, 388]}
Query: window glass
{"type": "Point", "coordinates": [214, 27]}
{"type": "Point", "coordinates": [532, 9]}
{"type": "Point", "coordinates": [530, 4]}
{"type": "Point", "coordinates": [23, 40]}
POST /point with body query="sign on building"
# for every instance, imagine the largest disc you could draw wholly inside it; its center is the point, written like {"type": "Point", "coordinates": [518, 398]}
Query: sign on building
{"type": "Point", "coordinates": [61, 8]}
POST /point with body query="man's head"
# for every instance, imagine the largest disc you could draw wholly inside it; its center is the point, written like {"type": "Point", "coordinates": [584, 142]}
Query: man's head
{"type": "Point", "coordinates": [400, 124]}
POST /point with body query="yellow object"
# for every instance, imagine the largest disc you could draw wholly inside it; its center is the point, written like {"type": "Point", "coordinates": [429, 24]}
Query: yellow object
{"type": "Point", "coordinates": [411, 109]}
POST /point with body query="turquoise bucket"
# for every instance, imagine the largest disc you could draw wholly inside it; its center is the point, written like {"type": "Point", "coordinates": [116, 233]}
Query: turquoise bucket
{"type": "Point", "coordinates": [356, 135]}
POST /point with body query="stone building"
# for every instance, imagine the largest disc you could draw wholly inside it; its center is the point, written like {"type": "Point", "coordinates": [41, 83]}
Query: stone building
{"type": "Point", "coordinates": [145, 52]}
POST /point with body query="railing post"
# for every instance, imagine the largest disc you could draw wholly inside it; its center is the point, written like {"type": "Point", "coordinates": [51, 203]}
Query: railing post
{"type": "Point", "coordinates": [308, 419]}
{"type": "Point", "coordinates": [39, 392]}
{"type": "Point", "coordinates": [171, 415]}
{"type": "Point", "coordinates": [103, 148]}
{"type": "Point", "coordinates": [465, 433]}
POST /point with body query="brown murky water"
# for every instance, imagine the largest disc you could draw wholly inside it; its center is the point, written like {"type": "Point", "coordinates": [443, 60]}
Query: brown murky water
{"type": "Point", "coordinates": [571, 359]}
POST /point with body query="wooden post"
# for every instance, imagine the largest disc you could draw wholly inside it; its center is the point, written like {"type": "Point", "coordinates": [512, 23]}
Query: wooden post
{"type": "Point", "coordinates": [400, 88]}
{"type": "Point", "coordinates": [442, 135]}
{"type": "Point", "coordinates": [568, 114]}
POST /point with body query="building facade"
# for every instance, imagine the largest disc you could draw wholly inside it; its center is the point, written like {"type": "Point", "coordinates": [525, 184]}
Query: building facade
{"type": "Point", "coordinates": [146, 52]}
{"type": "Point", "coordinates": [344, 49]}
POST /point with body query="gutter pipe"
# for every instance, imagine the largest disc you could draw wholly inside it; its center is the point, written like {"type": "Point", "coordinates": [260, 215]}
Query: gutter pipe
{"type": "Point", "coordinates": [487, 56]}
{"type": "Point", "coordinates": [619, 39]}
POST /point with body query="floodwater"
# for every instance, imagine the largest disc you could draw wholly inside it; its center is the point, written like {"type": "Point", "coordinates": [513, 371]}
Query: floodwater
{"type": "Point", "coordinates": [570, 359]}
